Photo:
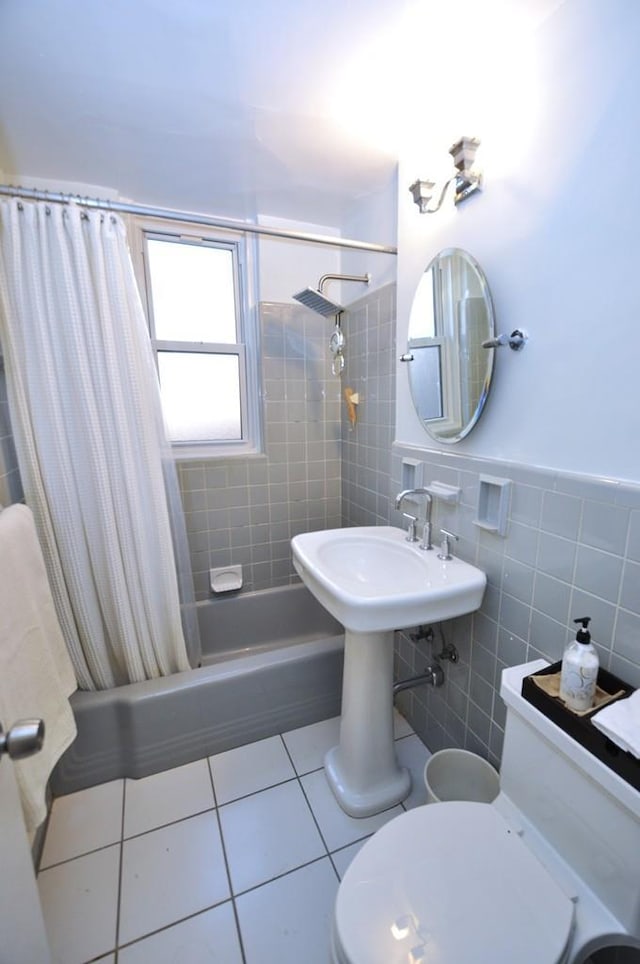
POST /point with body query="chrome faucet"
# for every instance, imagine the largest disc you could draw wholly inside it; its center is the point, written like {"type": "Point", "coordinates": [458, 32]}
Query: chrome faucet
{"type": "Point", "coordinates": [427, 530]}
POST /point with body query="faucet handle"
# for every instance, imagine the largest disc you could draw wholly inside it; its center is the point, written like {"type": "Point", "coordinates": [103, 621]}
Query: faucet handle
{"type": "Point", "coordinates": [445, 548]}
{"type": "Point", "coordinates": [412, 533]}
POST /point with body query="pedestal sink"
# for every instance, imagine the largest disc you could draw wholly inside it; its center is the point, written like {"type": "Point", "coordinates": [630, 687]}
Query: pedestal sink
{"type": "Point", "coordinates": [373, 581]}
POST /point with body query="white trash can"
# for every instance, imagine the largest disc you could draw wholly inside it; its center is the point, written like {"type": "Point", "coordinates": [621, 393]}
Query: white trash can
{"type": "Point", "coordinates": [460, 775]}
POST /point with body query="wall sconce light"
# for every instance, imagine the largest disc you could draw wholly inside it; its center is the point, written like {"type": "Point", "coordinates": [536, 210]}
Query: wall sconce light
{"type": "Point", "coordinates": [467, 179]}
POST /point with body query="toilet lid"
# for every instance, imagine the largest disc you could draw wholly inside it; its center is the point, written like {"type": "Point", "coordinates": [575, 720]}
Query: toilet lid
{"type": "Point", "coordinates": [450, 883]}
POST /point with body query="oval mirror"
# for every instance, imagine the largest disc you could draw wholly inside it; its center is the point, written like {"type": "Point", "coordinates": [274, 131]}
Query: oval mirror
{"type": "Point", "coordinates": [449, 370]}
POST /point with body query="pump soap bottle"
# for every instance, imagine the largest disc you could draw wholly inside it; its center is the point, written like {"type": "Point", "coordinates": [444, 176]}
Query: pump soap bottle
{"type": "Point", "coordinates": [579, 673]}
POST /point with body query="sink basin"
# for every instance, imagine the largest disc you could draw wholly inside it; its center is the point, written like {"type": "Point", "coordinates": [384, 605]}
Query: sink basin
{"type": "Point", "coordinates": [372, 580]}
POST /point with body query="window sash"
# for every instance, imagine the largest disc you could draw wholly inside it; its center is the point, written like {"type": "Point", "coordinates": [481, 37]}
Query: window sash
{"type": "Point", "coordinates": [248, 367]}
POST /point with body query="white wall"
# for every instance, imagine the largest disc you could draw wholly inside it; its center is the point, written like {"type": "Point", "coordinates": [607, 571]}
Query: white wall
{"type": "Point", "coordinates": [373, 219]}
{"type": "Point", "coordinates": [557, 233]}
{"type": "Point", "coordinates": [285, 267]}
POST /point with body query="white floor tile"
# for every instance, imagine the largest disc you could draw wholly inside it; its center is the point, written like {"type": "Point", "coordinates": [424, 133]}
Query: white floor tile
{"type": "Point", "coordinates": [337, 828]}
{"type": "Point", "coordinates": [308, 744]}
{"type": "Point", "coordinates": [164, 797]}
{"type": "Point", "coordinates": [268, 834]}
{"type": "Point", "coordinates": [400, 725]}
{"type": "Point", "coordinates": [207, 938]}
{"type": "Point", "coordinates": [413, 754]}
{"type": "Point", "coordinates": [289, 920]}
{"type": "Point", "coordinates": [342, 858]}
{"type": "Point", "coordinates": [79, 902]}
{"type": "Point", "coordinates": [170, 873]}
{"type": "Point", "coordinates": [250, 768]}
{"type": "Point", "coordinates": [83, 821]}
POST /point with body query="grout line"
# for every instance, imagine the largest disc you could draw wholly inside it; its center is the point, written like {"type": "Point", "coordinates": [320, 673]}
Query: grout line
{"type": "Point", "coordinates": [120, 871]}
{"type": "Point", "coordinates": [254, 793]}
{"type": "Point", "coordinates": [232, 897]}
{"type": "Point", "coordinates": [226, 862]}
{"type": "Point", "coordinates": [285, 873]}
{"type": "Point", "coordinates": [304, 794]}
{"type": "Point", "coordinates": [85, 853]}
{"type": "Point", "coordinates": [169, 823]}
{"type": "Point", "coordinates": [174, 923]}
{"type": "Point", "coordinates": [135, 836]}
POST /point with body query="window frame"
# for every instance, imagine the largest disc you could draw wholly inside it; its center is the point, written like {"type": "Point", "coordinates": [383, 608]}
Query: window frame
{"type": "Point", "coordinates": [245, 348]}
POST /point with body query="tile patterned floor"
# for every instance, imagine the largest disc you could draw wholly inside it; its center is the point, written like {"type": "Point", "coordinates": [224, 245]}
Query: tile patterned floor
{"type": "Point", "coordinates": [234, 859]}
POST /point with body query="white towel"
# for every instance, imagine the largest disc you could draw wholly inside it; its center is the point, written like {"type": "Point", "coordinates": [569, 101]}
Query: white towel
{"type": "Point", "coordinates": [620, 721]}
{"type": "Point", "coordinates": [36, 675]}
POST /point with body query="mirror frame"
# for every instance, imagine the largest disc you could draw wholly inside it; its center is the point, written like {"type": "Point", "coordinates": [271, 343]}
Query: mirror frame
{"type": "Point", "coordinates": [490, 334]}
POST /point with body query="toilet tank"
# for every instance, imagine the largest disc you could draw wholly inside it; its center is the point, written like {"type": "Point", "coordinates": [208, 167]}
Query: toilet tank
{"type": "Point", "coordinates": [589, 814]}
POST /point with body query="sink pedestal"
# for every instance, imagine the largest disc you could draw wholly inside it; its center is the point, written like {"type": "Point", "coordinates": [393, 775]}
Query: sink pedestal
{"type": "Point", "coordinates": [362, 770]}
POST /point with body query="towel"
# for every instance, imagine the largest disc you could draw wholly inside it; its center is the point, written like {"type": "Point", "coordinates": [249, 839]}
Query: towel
{"type": "Point", "coordinates": [36, 675]}
{"type": "Point", "coordinates": [621, 723]}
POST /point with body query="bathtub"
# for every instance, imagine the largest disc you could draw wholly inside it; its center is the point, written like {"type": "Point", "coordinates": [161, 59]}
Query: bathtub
{"type": "Point", "coordinates": [271, 662]}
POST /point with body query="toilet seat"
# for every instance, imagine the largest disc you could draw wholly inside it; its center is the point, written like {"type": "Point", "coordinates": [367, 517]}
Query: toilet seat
{"type": "Point", "coordinates": [450, 883]}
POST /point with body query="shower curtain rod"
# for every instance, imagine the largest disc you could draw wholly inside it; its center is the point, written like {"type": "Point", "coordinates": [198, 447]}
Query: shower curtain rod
{"type": "Point", "coordinates": [190, 217]}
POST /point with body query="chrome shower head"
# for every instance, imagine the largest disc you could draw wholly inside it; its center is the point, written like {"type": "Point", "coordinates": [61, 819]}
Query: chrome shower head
{"type": "Point", "coordinates": [315, 299]}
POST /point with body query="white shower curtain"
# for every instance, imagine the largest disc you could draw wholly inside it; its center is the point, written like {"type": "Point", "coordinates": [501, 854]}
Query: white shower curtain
{"type": "Point", "coordinates": [92, 450]}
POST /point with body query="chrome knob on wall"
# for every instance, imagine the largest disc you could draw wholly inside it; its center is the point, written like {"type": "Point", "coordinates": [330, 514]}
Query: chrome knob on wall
{"type": "Point", "coordinates": [516, 340]}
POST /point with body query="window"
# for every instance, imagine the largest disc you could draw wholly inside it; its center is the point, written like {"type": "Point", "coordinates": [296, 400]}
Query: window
{"type": "Point", "coordinates": [199, 323]}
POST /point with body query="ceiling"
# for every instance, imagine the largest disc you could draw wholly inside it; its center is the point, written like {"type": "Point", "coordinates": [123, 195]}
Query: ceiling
{"type": "Point", "coordinates": [232, 107]}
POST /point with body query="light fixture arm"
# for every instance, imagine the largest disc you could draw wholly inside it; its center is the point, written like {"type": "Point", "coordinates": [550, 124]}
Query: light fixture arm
{"type": "Point", "coordinates": [442, 196]}
{"type": "Point", "coordinates": [467, 180]}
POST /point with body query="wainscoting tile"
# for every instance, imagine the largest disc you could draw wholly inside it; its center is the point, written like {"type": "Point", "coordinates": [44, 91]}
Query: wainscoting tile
{"type": "Point", "coordinates": [561, 515]}
{"type": "Point", "coordinates": [605, 526]}
{"type": "Point", "coordinates": [401, 726]}
{"type": "Point", "coordinates": [598, 573]}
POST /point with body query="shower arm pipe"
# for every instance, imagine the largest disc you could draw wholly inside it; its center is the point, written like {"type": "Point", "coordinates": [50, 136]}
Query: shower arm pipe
{"type": "Point", "coordinates": [364, 278]}
{"type": "Point", "coordinates": [190, 217]}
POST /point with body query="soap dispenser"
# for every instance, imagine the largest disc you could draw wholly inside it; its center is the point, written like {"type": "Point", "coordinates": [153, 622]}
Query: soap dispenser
{"type": "Point", "coordinates": [579, 673]}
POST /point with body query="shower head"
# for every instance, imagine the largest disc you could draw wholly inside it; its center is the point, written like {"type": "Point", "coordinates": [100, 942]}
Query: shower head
{"type": "Point", "coordinates": [315, 299]}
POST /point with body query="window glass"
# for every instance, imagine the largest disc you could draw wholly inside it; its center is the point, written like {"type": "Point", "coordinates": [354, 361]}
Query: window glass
{"type": "Point", "coordinates": [193, 291]}
{"type": "Point", "coordinates": [200, 395]}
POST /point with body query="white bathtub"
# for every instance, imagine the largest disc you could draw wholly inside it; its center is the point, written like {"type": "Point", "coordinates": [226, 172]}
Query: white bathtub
{"type": "Point", "coordinates": [271, 661]}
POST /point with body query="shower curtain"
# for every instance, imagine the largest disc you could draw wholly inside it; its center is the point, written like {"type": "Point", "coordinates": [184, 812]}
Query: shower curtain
{"type": "Point", "coordinates": [95, 463]}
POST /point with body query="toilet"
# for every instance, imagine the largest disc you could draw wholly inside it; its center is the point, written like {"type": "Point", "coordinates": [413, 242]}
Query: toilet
{"type": "Point", "coordinates": [546, 874]}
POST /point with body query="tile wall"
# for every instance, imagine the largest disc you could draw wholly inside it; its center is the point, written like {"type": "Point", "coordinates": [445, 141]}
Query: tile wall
{"type": "Point", "coordinates": [572, 549]}
{"type": "Point", "coordinates": [247, 510]}
{"type": "Point", "coordinates": [369, 371]}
